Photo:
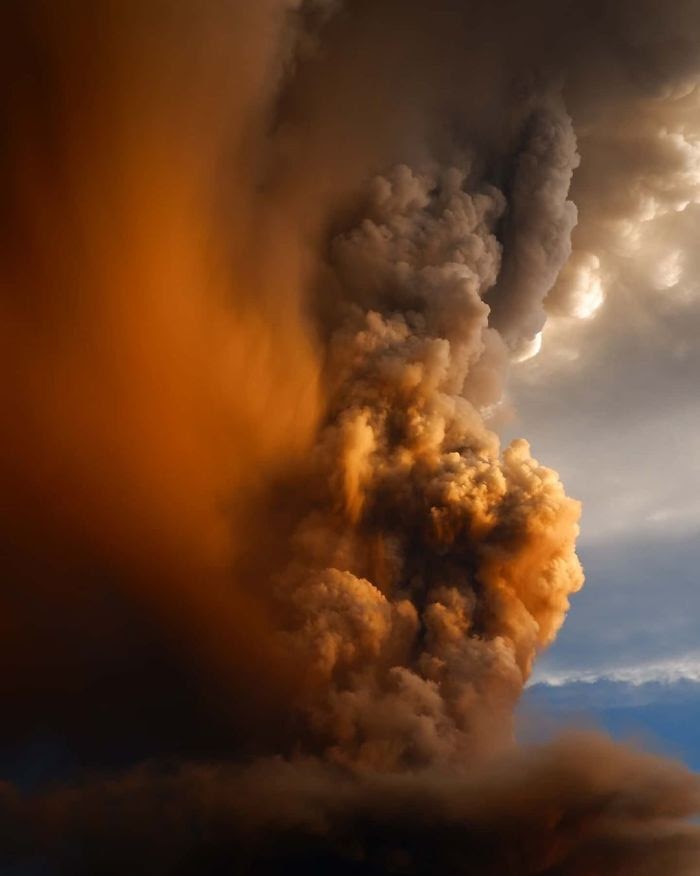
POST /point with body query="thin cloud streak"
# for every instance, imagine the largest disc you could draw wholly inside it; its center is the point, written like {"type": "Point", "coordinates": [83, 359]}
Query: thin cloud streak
{"type": "Point", "coordinates": [667, 672]}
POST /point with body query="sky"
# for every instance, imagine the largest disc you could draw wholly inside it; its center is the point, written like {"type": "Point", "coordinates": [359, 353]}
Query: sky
{"type": "Point", "coordinates": [613, 404]}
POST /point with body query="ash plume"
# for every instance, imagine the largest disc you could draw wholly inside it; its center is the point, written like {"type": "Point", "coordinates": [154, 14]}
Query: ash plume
{"type": "Point", "coordinates": [274, 586]}
{"type": "Point", "coordinates": [431, 567]}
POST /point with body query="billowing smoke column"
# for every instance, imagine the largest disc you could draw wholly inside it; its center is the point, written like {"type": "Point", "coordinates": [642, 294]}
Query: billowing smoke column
{"type": "Point", "coordinates": [431, 567]}
{"type": "Point", "coordinates": [273, 586]}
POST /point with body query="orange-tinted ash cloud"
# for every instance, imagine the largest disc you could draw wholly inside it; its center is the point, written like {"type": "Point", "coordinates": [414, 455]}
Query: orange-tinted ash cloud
{"type": "Point", "coordinates": [273, 587]}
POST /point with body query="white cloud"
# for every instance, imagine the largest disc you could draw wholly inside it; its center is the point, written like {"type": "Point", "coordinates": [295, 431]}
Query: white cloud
{"type": "Point", "coordinates": [670, 671]}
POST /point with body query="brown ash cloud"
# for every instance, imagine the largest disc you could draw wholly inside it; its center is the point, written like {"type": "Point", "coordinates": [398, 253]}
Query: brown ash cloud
{"type": "Point", "coordinates": [271, 581]}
